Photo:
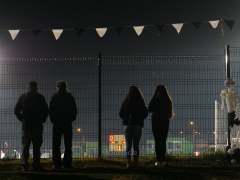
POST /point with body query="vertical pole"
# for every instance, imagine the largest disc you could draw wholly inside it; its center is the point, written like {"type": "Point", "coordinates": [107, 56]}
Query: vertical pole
{"type": "Point", "coordinates": [227, 57]}
{"type": "Point", "coordinates": [216, 125]}
{"type": "Point", "coordinates": [99, 105]}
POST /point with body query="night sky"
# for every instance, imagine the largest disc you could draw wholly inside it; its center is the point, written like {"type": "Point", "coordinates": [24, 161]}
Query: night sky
{"type": "Point", "coordinates": [96, 14]}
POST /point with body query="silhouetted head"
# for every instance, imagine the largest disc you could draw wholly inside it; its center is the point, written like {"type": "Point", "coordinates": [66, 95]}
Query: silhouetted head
{"type": "Point", "coordinates": [161, 92]}
{"type": "Point", "coordinates": [62, 85]}
{"type": "Point", "coordinates": [32, 86]}
{"type": "Point", "coordinates": [134, 97]}
{"type": "Point", "coordinates": [165, 100]}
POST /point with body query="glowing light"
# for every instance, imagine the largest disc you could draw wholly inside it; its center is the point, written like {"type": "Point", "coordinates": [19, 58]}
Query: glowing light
{"type": "Point", "coordinates": [213, 132]}
{"type": "Point", "coordinates": [226, 132]}
{"type": "Point", "coordinates": [111, 137]}
{"type": "Point", "coordinates": [197, 153]}
{"type": "Point", "coordinates": [196, 132]}
{"type": "Point", "coordinates": [124, 142]}
{"type": "Point", "coordinates": [79, 129]}
{"type": "Point", "coordinates": [119, 147]}
{"type": "Point", "coordinates": [191, 123]}
{"type": "Point", "coordinates": [112, 142]}
{"type": "Point", "coordinates": [181, 132]}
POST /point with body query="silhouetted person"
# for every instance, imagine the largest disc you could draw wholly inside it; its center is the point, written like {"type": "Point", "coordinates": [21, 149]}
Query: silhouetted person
{"type": "Point", "coordinates": [2, 154]}
{"type": "Point", "coordinates": [161, 107]}
{"type": "Point", "coordinates": [32, 110]}
{"type": "Point", "coordinates": [133, 111]}
{"type": "Point", "coordinates": [62, 112]}
{"type": "Point", "coordinates": [16, 154]}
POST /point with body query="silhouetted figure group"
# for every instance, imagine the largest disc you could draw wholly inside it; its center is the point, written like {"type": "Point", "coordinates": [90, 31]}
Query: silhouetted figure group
{"type": "Point", "coordinates": [133, 111]}
{"type": "Point", "coordinates": [32, 110]}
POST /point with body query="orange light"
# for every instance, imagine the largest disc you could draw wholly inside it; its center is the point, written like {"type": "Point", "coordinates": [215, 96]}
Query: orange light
{"type": "Point", "coordinates": [113, 142]}
{"type": "Point", "coordinates": [191, 123]}
{"type": "Point", "coordinates": [79, 129]}
{"type": "Point", "coordinates": [124, 142]}
{"type": "Point", "coordinates": [119, 147]}
{"type": "Point", "coordinates": [213, 132]}
{"type": "Point", "coordinates": [111, 137]}
{"type": "Point", "coordinates": [181, 132]}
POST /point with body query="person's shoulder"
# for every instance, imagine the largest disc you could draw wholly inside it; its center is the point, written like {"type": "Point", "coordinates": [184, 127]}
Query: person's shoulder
{"type": "Point", "coordinates": [70, 95]}
{"type": "Point", "coordinates": [42, 96]}
{"type": "Point", "coordinates": [23, 95]}
{"type": "Point", "coordinates": [55, 95]}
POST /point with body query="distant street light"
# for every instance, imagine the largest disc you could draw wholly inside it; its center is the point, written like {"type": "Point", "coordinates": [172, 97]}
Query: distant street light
{"type": "Point", "coordinates": [79, 129]}
{"type": "Point", "coordinates": [191, 123]}
{"type": "Point", "coordinates": [181, 132]}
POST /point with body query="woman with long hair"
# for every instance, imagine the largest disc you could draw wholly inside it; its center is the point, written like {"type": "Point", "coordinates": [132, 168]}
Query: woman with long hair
{"type": "Point", "coordinates": [161, 107]}
{"type": "Point", "coordinates": [133, 111]}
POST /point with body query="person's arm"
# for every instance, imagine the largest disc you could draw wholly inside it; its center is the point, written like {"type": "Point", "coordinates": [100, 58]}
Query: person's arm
{"type": "Point", "coordinates": [151, 106]}
{"type": "Point", "coordinates": [51, 110]}
{"type": "Point", "coordinates": [74, 109]}
{"type": "Point", "coordinates": [145, 112]}
{"type": "Point", "coordinates": [45, 109]}
{"type": "Point", "coordinates": [122, 113]}
{"type": "Point", "coordinates": [18, 109]}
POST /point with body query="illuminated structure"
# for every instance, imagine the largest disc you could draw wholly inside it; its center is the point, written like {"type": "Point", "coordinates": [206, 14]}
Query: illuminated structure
{"type": "Point", "coordinates": [117, 143]}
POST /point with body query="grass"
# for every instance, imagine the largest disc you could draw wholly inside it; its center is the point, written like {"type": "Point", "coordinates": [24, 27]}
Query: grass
{"type": "Point", "coordinates": [211, 165]}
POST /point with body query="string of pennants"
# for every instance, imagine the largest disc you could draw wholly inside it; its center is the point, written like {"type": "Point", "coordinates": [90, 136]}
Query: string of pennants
{"type": "Point", "coordinates": [138, 29]}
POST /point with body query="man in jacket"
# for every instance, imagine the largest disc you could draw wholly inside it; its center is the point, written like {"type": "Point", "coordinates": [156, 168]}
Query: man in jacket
{"type": "Point", "coordinates": [62, 112]}
{"type": "Point", "coordinates": [32, 110]}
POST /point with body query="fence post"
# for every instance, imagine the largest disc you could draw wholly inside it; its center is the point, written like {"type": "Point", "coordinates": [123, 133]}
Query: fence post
{"type": "Point", "coordinates": [99, 105]}
{"type": "Point", "coordinates": [227, 58]}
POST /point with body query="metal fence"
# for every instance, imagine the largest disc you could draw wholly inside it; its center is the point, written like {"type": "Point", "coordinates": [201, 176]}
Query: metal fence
{"type": "Point", "coordinates": [193, 82]}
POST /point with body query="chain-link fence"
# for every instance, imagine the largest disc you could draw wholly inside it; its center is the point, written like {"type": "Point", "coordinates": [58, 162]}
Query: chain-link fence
{"type": "Point", "coordinates": [193, 82]}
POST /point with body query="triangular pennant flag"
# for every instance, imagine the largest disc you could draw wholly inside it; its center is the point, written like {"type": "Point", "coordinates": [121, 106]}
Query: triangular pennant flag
{"type": "Point", "coordinates": [101, 31]}
{"type": "Point", "coordinates": [196, 24]}
{"type": "Point", "coordinates": [57, 33]}
{"type": "Point", "coordinates": [119, 30]}
{"type": "Point", "coordinates": [79, 32]}
{"type": "Point", "coordinates": [214, 23]}
{"type": "Point", "coordinates": [138, 29]}
{"type": "Point", "coordinates": [36, 32]}
{"type": "Point", "coordinates": [178, 27]}
{"type": "Point", "coordinates": [160, 27]}
{"type": "Point", "coordinates": [230, 23]}
{"type": "Point", "coordinates": [13, 33]}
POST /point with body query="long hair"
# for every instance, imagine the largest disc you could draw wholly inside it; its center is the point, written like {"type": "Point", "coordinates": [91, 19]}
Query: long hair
{"type": "Point", "coordinates": [133, 98]}
{"type": "Point", "coordinates": [164, 100]}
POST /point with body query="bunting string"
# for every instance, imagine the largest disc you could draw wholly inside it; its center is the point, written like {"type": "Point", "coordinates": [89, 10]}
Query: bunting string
{"type": "Point", "coordinates": [138, 29]}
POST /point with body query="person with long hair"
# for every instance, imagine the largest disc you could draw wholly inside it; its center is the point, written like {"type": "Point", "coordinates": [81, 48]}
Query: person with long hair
{"type": "Point", "coordinates": [133, 111]}
{"type": "Point", "coordinates": [161, 107]}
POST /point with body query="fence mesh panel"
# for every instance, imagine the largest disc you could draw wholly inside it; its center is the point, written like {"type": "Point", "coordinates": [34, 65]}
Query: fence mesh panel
{"type": "Point", "coordinates": [193, 82]}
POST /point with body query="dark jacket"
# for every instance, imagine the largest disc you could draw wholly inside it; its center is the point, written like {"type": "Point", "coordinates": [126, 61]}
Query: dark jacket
{"type": "Point", "coordinates": [133, 115]}
{"type": "Point", "coordinates": [158, 109]}
{"type": "Point", "coordinates": [62, 108]}
{"type": "Point", "coordinates": [31, 108]}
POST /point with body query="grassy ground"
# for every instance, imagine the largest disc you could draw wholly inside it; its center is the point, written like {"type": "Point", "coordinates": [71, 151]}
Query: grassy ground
{"type": "Point", "coordinates": [210, 166]}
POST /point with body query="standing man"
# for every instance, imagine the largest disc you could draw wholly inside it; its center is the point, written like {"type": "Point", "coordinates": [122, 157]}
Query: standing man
{"type": "Point", "coordinates": [62, 112]}
{"type": "Point", "coordinates": [32, 110]}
